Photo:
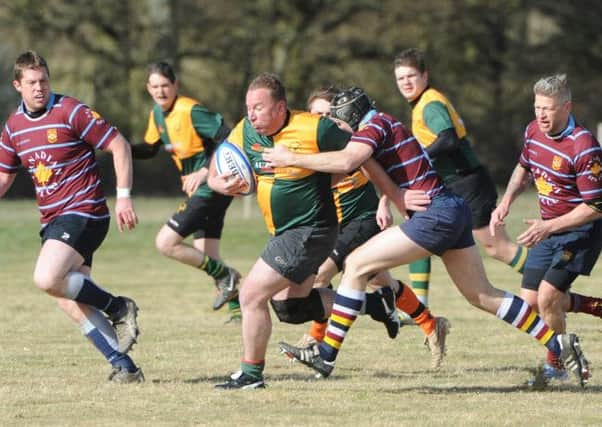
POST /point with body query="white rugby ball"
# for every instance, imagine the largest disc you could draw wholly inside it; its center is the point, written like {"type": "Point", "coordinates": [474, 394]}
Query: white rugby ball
{"type": "Point", "coordinates": [230, 158]}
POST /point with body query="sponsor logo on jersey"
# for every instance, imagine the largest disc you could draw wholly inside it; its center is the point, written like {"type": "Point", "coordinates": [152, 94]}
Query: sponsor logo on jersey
{"type": "Point", "coordinates": [42, 173]}
{"type": "Point", "coordinates": [543, 187]}
{"type": "Point", "coordinates": [595, 168]}
{"type": "Point", "coordinates": [556, 163]}
{"type": "Point", "coordinates": [52, 135]}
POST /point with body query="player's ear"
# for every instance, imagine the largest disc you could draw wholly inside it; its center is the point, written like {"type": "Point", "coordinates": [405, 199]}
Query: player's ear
{"type": "Point", "coordinates": [282, 106]}
{"type": "Point", "coordinates": [17, 85]}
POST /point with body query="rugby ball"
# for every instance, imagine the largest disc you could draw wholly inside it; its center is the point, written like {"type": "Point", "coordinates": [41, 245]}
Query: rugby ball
{"type": "Point", "coordinates": [230, 158]}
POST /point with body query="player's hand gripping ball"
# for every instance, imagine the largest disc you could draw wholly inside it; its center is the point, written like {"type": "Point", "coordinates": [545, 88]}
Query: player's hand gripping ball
{"type": "Point", "coordinates": [230, 158]}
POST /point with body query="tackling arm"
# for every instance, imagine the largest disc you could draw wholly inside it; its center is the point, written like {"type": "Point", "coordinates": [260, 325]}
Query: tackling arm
{"type": "Point", "coordinates": [343, 161]}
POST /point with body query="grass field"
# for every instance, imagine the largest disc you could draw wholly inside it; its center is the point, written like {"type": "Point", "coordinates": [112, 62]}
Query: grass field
{"type": "Point", "coordinates": [50, 375]}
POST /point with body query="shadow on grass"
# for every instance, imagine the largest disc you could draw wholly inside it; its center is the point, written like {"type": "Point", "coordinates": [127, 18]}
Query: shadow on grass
{"type": "Point", "coordinates": [308, 378]}
{"type": "Point", "coordinates": [299, 377]}
{"type": "Point", "coordinates": [564, 388]}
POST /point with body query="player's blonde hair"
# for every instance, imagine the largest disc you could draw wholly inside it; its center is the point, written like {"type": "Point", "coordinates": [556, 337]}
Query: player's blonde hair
{"type": "Point", "coordinates": [555, 86]}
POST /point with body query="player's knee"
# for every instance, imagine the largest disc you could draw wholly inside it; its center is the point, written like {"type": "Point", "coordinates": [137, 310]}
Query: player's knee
{"type": "Point", "coordinates": [300, 310]}
{"type": "Point", "coordinates": [46, 281]}
{"type": "Point", "coordinates": [163, 246]}
{"type": "Point", "coordinates": [548, 302]}
{"type": "Point", "coordinates": [355, 266]}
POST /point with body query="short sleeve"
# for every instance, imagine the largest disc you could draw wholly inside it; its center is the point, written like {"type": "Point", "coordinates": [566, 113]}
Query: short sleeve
{"type": "Point", "coordinates": [330, 136]}
{"type": "Point", "coordinates": [436, 117]}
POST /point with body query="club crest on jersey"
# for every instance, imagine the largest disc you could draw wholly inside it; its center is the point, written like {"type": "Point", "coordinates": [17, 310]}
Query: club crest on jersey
{"type": "Point", "coordinates": [556, 163]}
{"type": "Point", "coordinates": [52, 135]}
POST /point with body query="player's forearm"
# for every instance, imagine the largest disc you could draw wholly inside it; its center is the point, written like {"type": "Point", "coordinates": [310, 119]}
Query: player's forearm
{"type": "Point", "coordinates": [122, 162]}
{"type": "Point", "coordinates": [145, 151]}
{"type": "Point", "coordinates": [582, 214]}
{"type": "Point", "coordinates": [330, 162]}
{"type": "Point", "coordinates": [374, 171]}
{"type": "Point", "coordinates": [519, 180]}
{"type": "Point", "coordinates": [447, 142]}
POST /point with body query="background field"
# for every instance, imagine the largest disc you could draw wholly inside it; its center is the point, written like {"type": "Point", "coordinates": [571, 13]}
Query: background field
{"type": "Point", "coordinates": [50, 375]}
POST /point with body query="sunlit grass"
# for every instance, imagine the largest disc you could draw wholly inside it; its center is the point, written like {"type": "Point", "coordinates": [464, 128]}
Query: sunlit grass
{"type": "Point", "coordinates": [50, 375]}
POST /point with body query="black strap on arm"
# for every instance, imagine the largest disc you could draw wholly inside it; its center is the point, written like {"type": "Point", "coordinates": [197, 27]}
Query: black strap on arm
{"type": "Point", "coordinates": [595, 204]}
{"type": "Point", "coordinates": [447, 142]}
{"type": "Point", "coordinates": [144, 150]}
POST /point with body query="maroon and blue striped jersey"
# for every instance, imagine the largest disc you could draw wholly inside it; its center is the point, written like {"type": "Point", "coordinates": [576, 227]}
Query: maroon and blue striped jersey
{"type": "Point", "coordinates": [566, 169]}
{"type": "Point", "coordinates": [57, 149]}
{"type": "Point", "coordinates": [399, 153]}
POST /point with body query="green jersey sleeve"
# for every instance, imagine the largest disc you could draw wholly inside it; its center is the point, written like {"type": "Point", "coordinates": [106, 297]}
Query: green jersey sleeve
{"type": "Point", "coordinates": [205, 122]}
{"type": "Point", "coordinates": [436, 117]}
{"type": "Point", "coordinates": [330, 136]}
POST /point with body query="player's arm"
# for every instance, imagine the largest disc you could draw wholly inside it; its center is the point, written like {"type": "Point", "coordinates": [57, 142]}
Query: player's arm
{"type": "Point", "coordinates": [447, 142]}
{"type": "Point", "coordinates": [519, 180]}
{"type": "Point", "coordinates": [192, 181]}
{"type": "Point", "coordinates": [211, 127]}
{"type": "Point", "coordinates": [6, 181]}
{"type": "Point", "coordinates": [122, 163]}
{"type": "Point", "coordinates": [343, 161]}
{"type": "Point", "coordinates": [145, 150]}
{"type": "Point", "coordinates": [226, 183]}
{"type": "Point", "coordinates": [404, 200]}
{"type": "Point", "coordinates": [541, 229]}
{"type": "Point", "coordinates": [437, 119]}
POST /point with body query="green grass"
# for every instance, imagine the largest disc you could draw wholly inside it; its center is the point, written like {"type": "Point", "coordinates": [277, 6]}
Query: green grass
{"type": "Point", "coordinates": [50, 375]}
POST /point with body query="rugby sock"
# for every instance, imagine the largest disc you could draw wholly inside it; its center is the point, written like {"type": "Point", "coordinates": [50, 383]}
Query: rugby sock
{"type": "Point", "coordinates": [318, 330]}
{"type": "Point", "coordinates": [408, 302]}
{"type": "Point", "coordinates": [253, 368]}
{"type": "Point", "coordinates": [101, 334]}
{"type": "Point", "coordinates": [519, 260]}
{"type": "Point", "coordinates": [213, 267]}
{"type": "Point", "coordinates": [234, 308]}
{"type": "Point", "coordinates": [518, 313]}
{"type": "Point", "coordinates": [346, 308]}
{"type": "Point", "coordinates": [420, 276]}
{"type": "Point", "coordinates": [82, 289]}
{"type": "Point", "coordinates": [584, 304]}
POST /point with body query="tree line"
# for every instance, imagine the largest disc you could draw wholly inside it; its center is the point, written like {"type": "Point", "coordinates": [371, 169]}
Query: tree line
{"type": "Point", "coordinates": [484, 54]}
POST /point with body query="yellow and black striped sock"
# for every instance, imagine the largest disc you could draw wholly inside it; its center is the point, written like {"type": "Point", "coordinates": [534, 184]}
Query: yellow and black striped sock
{"type": "Point", "coordinates": [420, 276]}
{"type": "Point", "coordinates": [519, 260]}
